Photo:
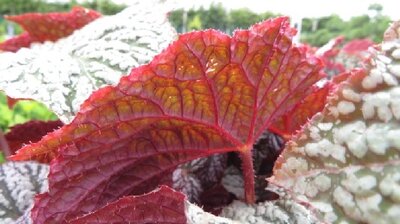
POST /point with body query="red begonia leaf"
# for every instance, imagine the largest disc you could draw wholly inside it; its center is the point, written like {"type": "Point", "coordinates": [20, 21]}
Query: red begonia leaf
{"type": "Point", "coordinates": [293, 120]}
{"type": "Point", "coordinates": [163, 205]}
{"type": "Point", "coordinates": [42, 27]}
{"type": "Point", "coordinates": [206, 93]}
{"type": "Point", "coordinates": [31, 131]}
{"type": "Point", "coordinates": [15, 43]}
{"type": "Point", "coordinates": [357, 46]}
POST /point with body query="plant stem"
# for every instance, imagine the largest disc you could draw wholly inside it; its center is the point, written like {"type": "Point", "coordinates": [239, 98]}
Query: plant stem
{"type": "Point", "coordinates": [248, 176]}
{"type": "Point", "coordinates": [4, 145]}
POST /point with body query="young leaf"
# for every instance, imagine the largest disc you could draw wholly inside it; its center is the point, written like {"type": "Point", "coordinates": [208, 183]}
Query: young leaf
{"type": "Point", "coordinates": [63, 74]}
{"type": "Point", "coordinates": [346, 163]}
{"type": "Point", "coordinates": [19, 182]}
{"type": "Point", "coordinates": [163, 205]}
{"type": "Point", "coordinates": [31, 131]}
{"type": "Point", "coordinates": [206, 93]}
{"type": "Point", "coordinates": [47, 26]}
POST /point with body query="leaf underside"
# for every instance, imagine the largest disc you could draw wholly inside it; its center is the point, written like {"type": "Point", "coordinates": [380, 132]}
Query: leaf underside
{"type": "Point", "coordinates": [346, 163]}
{"type": "Point", "coordinates": [40, 27]}
{"type": "Point", "coordinates": [206, 93]}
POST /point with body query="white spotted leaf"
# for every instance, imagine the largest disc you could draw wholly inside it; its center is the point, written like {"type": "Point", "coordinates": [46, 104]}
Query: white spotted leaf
{"type": "Point", "coordinates": [345, 163]}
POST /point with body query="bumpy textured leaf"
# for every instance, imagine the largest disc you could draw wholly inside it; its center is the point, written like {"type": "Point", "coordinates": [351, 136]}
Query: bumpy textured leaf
{"type": "Point", "coordinates": [346, 162]}
{"type": "Point", "coordinates": [47, 26]}
{"type": "Point", "coordinates": [19, 182]}
{"type": "Point", "coordinates": [282, 211]}
{"type": "Point", "coordinates": [294, 119]}
{"type": "Point", "coordinates": [31, 131]}
{"type": "Point", "coordinates": [206, 93]}
{"type": "Point", "coordinates": [63, 74]}
{"type": "Point", "coordinates": [163, 205]}
{"type": "Point", "coordinates": [196, 215]}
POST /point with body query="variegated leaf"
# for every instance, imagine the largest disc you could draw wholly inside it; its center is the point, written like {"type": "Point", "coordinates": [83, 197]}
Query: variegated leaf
{"type": "Point", "coordinates": [19, 182]}
{"type": "Point", "coordinates": [346, 162]}
{"type": "Point", "coordinates": [282, 211]}
{"type": "Point", "coordinates": [63, 74]}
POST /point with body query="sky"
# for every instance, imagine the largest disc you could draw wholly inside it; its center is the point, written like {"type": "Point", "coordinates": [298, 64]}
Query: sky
{"type": "Point", "coordinates": [299, 8]}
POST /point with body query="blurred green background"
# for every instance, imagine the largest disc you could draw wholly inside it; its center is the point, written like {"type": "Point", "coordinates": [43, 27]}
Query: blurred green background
{"type": "Point", "coordinates": [315, 31]}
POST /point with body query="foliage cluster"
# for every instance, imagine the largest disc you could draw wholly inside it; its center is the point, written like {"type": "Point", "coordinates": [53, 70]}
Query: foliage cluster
{"type": "Point", "coordinates": [202, 122]}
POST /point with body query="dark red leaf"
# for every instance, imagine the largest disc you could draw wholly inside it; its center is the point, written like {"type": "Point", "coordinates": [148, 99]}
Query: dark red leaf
{"type": "Point", "coordinates": [206, 93]}
{"type": "Point", "coordinates": [163, 205]}
{"type": "Point", "coordinates": [47, 26]}
{"type": "Point", "coordinates": [16, 43]}
{"type": "Point", "coordinates": [293, 120]}
{"type": "Point", "coordinates": [214, 198]}
{"type": "Point", "coordinates": [31, 131]}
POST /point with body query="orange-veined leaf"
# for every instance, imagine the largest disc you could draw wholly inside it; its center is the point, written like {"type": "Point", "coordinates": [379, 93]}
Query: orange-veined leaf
{"type": "Point", "coordinates": [206, 93]}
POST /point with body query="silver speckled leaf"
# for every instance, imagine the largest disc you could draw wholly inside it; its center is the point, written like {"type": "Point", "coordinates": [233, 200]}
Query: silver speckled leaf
{"type": "Point", "coordinates": [285, 210]}
{"type": "Point", "coordinates": [282, 211]}
{"type": "Point", "coordinates": [346, 163]}
{"type": "Point", "coordinates": [19, 182]}
{"type": "Point", "coordinates": [63, 74]}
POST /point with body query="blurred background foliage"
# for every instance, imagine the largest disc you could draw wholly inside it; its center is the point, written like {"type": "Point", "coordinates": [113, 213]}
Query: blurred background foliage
{"type": "Point", "coordinates": [21, 112]}
{"type": "Point", "coordinates": [315, 31]}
